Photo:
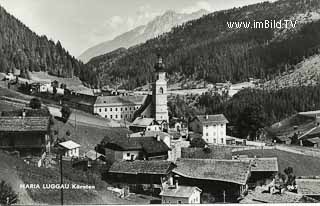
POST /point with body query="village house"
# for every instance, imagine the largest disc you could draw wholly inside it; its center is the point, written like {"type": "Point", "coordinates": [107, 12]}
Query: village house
{"type": "Point", "coordinates": [178, 194]}
{"type": "Point", "coordinates": [28, 135]}
{"type": "Point", "coordinates": [118, 107]}
{"type": "Point", "coordinates": [309, 186]}
{"type": "Point", "coordinates": [141, 175]}
{"type": "Point", "coordinates": [141, 124]}
{"type": "Point", "coordinates": [225, 180]}
{"type": "Point", "coordinates": [310, 138]}
{"type": "Point", "coordinates": [212, 128]}
{"type": "Point", "coordinates": [262, 169]}
{"type": "Point", "coordinates": [71, 148]}
{"type": "Point", "coordinates": [132, 148]}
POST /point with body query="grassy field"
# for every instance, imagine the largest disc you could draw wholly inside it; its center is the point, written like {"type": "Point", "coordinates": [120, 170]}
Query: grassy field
{"type": "Point", "coordinates": [87, 136]}
{"type": "Point", "coordinates": [301, 164]}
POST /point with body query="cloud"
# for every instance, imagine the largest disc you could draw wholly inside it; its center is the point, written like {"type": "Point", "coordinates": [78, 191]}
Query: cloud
{"type": "Point", "coordinates": [198, 6]}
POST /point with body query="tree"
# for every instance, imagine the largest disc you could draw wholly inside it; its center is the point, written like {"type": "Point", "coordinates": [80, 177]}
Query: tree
{"type": "Point", "coordinates": [7, 195]}
{"type": "Point", "coordinates": [35, 103]}
{"type": "Point", "coordinates": [65, 112]}
{"type": "Point", "coordinates": [198, 143]}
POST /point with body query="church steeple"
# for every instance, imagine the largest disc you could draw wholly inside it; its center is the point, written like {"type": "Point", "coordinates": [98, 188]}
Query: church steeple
{"type": "Point", "coordinates": [159, 93]}
{"type": "Point", "coordinates": [159, 66]}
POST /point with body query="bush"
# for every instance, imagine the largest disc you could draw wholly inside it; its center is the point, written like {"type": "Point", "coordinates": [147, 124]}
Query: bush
{"type": "Point", "coordinates": [7, 195]}
{"type": "Point", "coordinates": [35, 103]}
{"type": "Point", "coordinates": [198, 142]}
{"type": "Point", "coordinates": [66, 112]}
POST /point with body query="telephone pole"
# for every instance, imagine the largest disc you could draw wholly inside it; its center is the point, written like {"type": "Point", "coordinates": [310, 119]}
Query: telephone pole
{"type": "Point", "coordinates": [61, 180]}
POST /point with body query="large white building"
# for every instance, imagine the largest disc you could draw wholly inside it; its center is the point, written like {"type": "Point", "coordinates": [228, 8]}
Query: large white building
{"type": "Point", "coordinates": [212, 128]}
{"type": "Point", "coordinates": [118, 107]}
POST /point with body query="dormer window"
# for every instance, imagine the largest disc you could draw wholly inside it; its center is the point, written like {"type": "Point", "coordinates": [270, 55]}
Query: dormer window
{"type": "Point", "coordinates": [161, 90]}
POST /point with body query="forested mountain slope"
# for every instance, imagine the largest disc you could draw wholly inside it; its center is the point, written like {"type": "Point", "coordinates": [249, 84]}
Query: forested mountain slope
{"type": "Point", "coordinates": [23, 49]}
{"type": "Point", "coordinates": [207, 49]}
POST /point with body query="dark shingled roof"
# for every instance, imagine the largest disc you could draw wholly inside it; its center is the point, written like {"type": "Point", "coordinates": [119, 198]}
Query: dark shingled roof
{"type": "Point", "coordinates": [217, 170]}
{"type": "Point", "coordinates": [19, 124]}
{"type": "Point", "coordinates": [213, 119]}
{"type": "Point", "coordinates": [148, 144]}
{"type": "Point", "coordinates": [310, 186]}
{"type": "Point", "coordinates": [263, 164]}
{"type": "Point", "coordinates": [142, 167]}
{"type": "Point", "coordinates": [180, 191]}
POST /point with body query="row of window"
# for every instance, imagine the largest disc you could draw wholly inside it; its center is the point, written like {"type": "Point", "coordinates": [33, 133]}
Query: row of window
{"type": "Point", "coordinates": [214, 133]}
{"type": "Point", "coordinates": [215, 141]}
{"type": "Point", "coordinates": [120, 109]}
{"type": "Point", "coordinates": [121, 116]}
{"type": "Point", "coordinates": [215, 125]}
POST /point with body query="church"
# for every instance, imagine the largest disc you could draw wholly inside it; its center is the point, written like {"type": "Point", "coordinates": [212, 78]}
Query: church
{"type": "Point", "coordinates": [155, 106]}
{"type": "Point", "coordinates": [139, 109]}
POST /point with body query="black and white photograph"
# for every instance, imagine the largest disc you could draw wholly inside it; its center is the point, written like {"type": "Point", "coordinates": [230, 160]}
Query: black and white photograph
{"type": "Point", "coordinates": [138, 102]}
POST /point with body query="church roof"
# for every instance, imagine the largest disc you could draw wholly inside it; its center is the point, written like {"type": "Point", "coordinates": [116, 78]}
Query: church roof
{"type": "Point", "coordinates": [142, 122]}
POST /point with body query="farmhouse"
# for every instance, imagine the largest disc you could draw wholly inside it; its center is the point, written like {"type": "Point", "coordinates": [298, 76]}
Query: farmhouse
{"type": "Point", "coordinates": [311, 137]}
{"type": "Point", "coordinates": [132, 148]}
{"type": "Point", "coordinates": [141, 124]}
{"type": "Point", "coordinates": [141, 175]}
{"type": "Point", "coordinates": [178, 194]}
{"type": "Point", "coordinates": [224, 179]}
{"type": "Point", "coordinates": [212, 128]}
{"type": "Point", "coordinates": [309, 186]}
{"type": "Point", "coordinates": [262, 169]}
{"type": "Point", "coordinates": [28, 135]}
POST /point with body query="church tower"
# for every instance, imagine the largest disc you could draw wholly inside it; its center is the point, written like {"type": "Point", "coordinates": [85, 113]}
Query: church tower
{"type": "Point", "coordinates": [159, 93]}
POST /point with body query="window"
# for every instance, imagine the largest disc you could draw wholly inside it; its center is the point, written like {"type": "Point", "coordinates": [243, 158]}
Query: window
{"type": "Point", "coordinates": [128, 154]}
{"type": "Point", "coordinates": [214, 141]}
{"type": "Point", "coordinates": [116, 116]}
{"type": "Point", "coordinates": [126, 108]}
{"type": "Point", "coordinates": [222, 140]}
{"type": "Point", "coordinates": [179, 202]}
{"type": "Point", "coordinates": [110, 116]}
{"type": "Point", "coordinates": [207, 126]}
{"type": "Point", "coordinates": [99, 110]}
{"type": "Point", "coordinates": [105, 109]}
{"type": "Point", "coordinates": [104, 102]}
{"type": "Point", "coordinates": [110, 109]}
{"type": "Point", "coordinates": [161, 90]}
{"type": "Point", "coordinates": [207, 134]}
{"type": "Point", "coordinates": [121, 117]}
{"type": "Point", "coordinates": [121, 109]}
{"type": "Point", "coordinates": [106, 116]}
{"type": "Point", "coordinates": [116, 109]}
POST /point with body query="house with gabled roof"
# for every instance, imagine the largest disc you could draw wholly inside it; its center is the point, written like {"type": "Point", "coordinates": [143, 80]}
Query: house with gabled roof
{"type": "Point", "coordinates": [141, 124]}
{"type": "Point", "coordinates": [141, 175]}
{"type": "Point", "coordinates": [132, 148]}
{"type": "Point", "coordinates": [224, 179]}
{"type": "Point", "coordinates": [212, 128]}
{"type": "Point", "coordinates": [309, 186]}
{"type": "Point", "coordinates": [179, 194]}
{"type": "Point", "coordinates": [28, 135]}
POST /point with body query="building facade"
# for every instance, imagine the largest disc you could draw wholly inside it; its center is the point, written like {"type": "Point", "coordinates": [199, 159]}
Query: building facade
{"type": "Point", "coordinates": [177, 194]}
{"type": "Point", "coordinates": [212, 128]}
{"type": "Point", "coordinates": [118, 107]}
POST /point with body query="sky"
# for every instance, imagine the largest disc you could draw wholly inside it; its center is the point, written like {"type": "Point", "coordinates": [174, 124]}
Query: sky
{"type": "Point", "coordinates": [81, 24]}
